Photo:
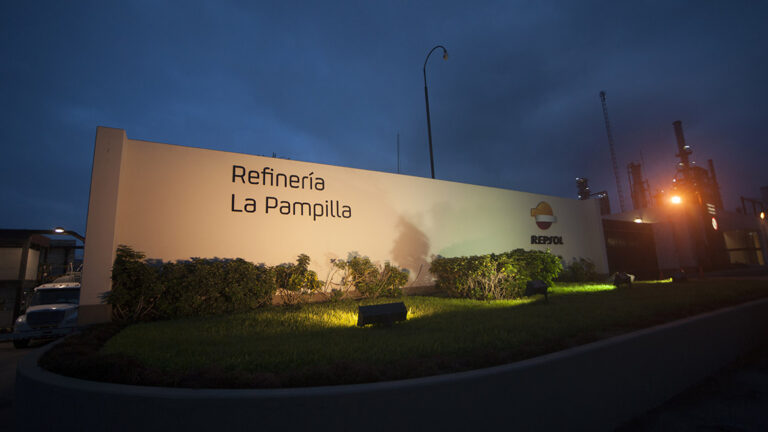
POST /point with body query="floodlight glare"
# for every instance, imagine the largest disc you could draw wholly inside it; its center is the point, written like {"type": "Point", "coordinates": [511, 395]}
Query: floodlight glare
{"type": "Point", "coordinates": [58, 230]}
{"type": "Point", "coordinates": [638, 220]}
{"type": "Point", "coordinates": [676, 199]}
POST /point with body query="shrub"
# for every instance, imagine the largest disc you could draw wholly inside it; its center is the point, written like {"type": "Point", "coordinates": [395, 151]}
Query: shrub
{"type": "Point", "coordinates": [135, 287]}
{"type": "Point", "coordinates": [579, 270]}
{"type": "Point", "coordinates": [531, 265]}
{"type": "Point", "coordinates": [141, 291]}
{"type": "Point", "coordinates": [477, 277]}
{"type": "Point", "coordinates": [369, 279]}
{"type": "Point", "coordinates": [214, 286]}
{"type": "Point", "coordinates": [493, 276]}
{"type": "Point", "coordinates": [296, 280]}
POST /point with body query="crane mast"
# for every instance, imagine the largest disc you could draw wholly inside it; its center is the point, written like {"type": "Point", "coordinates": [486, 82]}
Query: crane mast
{"type": "Point", "coordinates": [613, 152]}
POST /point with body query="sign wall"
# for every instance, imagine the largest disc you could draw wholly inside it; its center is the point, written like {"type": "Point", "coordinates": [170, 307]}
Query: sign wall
{"type": "Point", "coordinates": [174, 202]}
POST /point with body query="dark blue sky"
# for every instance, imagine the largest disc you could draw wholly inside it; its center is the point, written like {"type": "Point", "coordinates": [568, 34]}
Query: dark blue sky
{"type": "Point", "coordinates": [515, 106]}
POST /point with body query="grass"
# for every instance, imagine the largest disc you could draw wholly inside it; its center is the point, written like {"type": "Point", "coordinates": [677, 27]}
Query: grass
{"type": "Point", "coordinates": [319, 344]}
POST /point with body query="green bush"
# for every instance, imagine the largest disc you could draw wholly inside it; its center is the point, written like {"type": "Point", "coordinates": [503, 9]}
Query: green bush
{"type": "Point", "coordinates": [579, 270]}
{"type": "Point", "coordinates": [296, 280]}
{"type": "Point", "coordinates": [494, 276]}
{"type": "Point", "coordinates": [531, 265]}
{"type": "Point", "coordinates": [141, 291]}
{"type": "Point", "coordinates": [477, 277]}
{"type": "Point", "coordinates": [214, 286]}
{"type": "Point", "coordinates": [369, 279]}
{"type": "Point", "coordinates": [198, 287]}
{"type": "Point", "coordinates": [136, 288]}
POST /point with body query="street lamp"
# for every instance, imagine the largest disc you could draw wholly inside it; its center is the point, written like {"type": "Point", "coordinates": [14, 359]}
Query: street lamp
{"type": "Point", "coordinates": [426, 98]}
{"type": "Point", "coordinates": [60, 230]}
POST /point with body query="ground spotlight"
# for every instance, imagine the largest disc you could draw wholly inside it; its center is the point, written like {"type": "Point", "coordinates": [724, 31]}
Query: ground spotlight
{"type": "Point", "coordinates": [386, 314]}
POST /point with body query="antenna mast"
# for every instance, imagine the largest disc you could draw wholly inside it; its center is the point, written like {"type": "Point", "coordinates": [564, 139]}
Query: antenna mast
{"type": "Point", "coordinates": [613, 152]}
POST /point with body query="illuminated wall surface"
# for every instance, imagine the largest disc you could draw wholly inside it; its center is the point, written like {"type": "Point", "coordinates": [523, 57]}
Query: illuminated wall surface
{"type": "Point", "coordinates": [174, 202]}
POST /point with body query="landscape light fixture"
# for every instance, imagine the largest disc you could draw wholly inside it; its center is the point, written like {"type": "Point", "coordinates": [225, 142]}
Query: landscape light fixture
{"type": "Point", "coordinates": [623, 279]}
{"type": "Point", "coordinates": [386, 314]}
{"type": "Point", "coordinates": [676, 199]}
{"type": "Point", "coordinates": [537, 286]}
{"type": "Point", "coordinates": [679, 276]}
{"type": "Point", "coordinates": [426, 98]}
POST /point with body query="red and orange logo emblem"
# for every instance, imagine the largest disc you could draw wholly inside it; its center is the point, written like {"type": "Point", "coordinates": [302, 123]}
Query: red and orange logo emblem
{"type": "Point", "coordinates": [543, 215]}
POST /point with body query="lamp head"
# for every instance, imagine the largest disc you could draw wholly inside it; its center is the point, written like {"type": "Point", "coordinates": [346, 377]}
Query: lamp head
{"type": "Point", "coordinates": [445, 54]}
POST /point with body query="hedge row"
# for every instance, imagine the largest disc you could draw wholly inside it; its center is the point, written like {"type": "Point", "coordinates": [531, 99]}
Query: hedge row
{"type": "Point", "coordinates": [494, 276]}
{"type": "Point", "coordinates": [148, 290]}
{"type": "Point", "coordinates": [144, 290]}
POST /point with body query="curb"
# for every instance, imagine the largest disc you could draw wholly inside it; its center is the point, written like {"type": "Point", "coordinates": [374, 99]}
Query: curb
{"type": "Point", "coordinates": [591, 387]}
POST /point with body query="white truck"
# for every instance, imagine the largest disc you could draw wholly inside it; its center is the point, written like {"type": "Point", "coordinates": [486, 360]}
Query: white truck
{"type": "Point", "coordinates": [51, 312]}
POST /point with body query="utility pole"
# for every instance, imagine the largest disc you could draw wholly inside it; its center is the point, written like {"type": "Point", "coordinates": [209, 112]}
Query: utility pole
{"type": "Point", "coordinates": [398, 152]}
{"type": "Point", "coordinates": [613, 152]}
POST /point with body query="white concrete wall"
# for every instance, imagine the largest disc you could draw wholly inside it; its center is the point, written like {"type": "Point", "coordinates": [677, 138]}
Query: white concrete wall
{"type": "Point", "coordinates": [175, 202]}
{"type": "Point", "coordinates": [10, 263]}
{"type": "Point", "coordinates": [99, 253]}
{"type": "Point", "coordinates": [33, 262]}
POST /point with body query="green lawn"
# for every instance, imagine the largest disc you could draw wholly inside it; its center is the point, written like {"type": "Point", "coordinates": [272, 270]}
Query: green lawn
{"type": "Point", "coordinates": [320, 344]}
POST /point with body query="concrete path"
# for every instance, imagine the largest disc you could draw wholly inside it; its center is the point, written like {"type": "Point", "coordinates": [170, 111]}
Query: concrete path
{"type": "Point", "coordinates": [9, 356]}
{"type": "Point", "coordinates": [734, 399]}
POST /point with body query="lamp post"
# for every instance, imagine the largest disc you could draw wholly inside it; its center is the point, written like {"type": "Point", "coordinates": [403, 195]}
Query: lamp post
{"type": "Point", "coordinates": [426, 98]}
{"type": "Point", "coordinates": [62, 231]}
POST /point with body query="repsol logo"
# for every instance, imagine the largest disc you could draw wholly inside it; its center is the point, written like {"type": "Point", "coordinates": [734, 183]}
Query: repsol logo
{"type": "Point", "coordinates": [556, 240]}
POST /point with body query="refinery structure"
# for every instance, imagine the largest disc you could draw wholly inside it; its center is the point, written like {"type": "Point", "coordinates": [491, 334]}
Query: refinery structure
{"type": "Point", "coordinates": [683, 226]}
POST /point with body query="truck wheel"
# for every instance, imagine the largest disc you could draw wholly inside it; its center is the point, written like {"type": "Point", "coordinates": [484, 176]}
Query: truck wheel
{"type": "Point", "coordinates": [20, 343]}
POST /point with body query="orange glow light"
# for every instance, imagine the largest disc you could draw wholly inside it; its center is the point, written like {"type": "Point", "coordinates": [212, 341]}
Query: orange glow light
{"type": "Point", "coordinates": [676, 199]}
{"type": "Point", "coordinates": [762, 215]}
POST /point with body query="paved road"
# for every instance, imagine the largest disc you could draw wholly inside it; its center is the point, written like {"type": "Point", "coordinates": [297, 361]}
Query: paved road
{"type": "Point", "coordinates": [734, 399]}
{"type": "Point", "coordinates": [9, 356]}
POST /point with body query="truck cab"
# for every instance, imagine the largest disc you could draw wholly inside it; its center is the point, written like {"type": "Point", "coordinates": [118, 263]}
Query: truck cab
{"type": "Point", "coordinates": [51, 311]}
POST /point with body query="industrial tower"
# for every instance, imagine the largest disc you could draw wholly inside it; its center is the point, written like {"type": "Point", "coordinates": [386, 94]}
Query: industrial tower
{"type": "Point", "coordinates": [613, 152]}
